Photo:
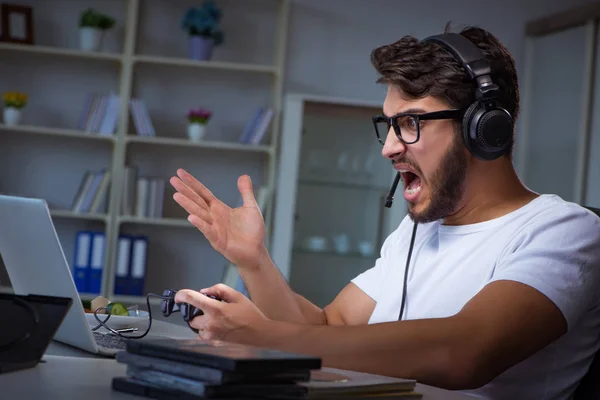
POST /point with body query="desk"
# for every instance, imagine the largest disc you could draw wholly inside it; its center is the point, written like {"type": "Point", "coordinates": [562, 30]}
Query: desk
{"type": "Point", "coordinates": [67, 373]}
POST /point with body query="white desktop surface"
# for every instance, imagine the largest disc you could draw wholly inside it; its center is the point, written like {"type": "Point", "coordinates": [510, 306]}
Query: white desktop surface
{"type": "Point", "coordinates": [68, 373]}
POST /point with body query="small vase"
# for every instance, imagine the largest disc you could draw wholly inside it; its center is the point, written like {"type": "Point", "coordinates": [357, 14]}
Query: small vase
{"type": "Point", "coordinates": [196, 131]}
{"type": "Point", "coordinates": [12, 116]}
{"type": "Point", "coordinates": [200, 48]}
{"type": "Point", "coordinates": [90, 39]}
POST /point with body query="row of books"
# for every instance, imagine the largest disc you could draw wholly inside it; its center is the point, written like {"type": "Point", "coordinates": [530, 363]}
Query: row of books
{"type": "Point", "coordinates": [257, 126]}
{"type": "Point", "coordinates": [142, 196]}
{"type": "Point", "coordinates": [101, 112]}
{"type": "Point", "coordinates": [88, 263]}
{"type": "Point", "coordinates": [92, 195]}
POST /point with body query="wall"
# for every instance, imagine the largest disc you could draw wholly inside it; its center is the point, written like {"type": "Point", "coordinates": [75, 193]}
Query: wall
{"type": "Point", "coordinates": [330, 42]}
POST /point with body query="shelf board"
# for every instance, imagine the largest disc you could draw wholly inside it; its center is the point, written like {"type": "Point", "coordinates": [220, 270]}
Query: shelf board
{"type": "Point", "coordinates": [174, 222]}
{"type": "Point", "coordinates": [57, 51]}
{"type": "Point", "coordinates": [68, 214]}
{"type": "Point", "coordinates": [341, 185]}
{"type": "Point", "coordinates": [207, 144]}
{"type": "Point", "coordinates": [222, 65]}
{"type": "Point", "coordinates": [350, 254]}
{"type": "Point", "coordinates": [42, 130]}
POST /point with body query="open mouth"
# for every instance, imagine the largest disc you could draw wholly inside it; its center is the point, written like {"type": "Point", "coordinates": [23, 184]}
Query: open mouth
{"type": "Point", "coordinates": [412, 182]}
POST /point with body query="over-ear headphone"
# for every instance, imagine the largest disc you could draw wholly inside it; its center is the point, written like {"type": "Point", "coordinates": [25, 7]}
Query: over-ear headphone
{"type": "Point", "coordinates": [486, 127]}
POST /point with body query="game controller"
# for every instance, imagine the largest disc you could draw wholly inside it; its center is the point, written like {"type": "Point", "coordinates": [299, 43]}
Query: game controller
{"type": "Point", "coordinates": [168, 306]}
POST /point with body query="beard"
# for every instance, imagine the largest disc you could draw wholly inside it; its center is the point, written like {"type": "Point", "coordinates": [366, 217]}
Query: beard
{"type": "Point", "coordinates": [445, 187]}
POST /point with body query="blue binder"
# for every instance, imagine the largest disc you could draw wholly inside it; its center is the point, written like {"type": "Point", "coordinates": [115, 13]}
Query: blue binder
{"type": "Point", "coordinates": [81, 260]}
{"type": "Point", "coordinates": [138, 265]}
{"type": "Point", "coordinates": [122, 274]}
{"type": "Point", "coordinates": [96, 263]}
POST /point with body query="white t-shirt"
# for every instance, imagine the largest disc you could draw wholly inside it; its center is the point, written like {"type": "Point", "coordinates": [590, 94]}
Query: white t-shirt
{"type": "Point", "coordinates": [549, 244]}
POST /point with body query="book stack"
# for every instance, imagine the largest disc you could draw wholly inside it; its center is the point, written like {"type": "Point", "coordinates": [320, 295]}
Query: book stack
{"type": "Point", "coordinates": [143, 196]}
{"type": "Point", "coordinates": [257, 126]}
{"type": "Point", "coordinates": [100, 114]}
{"type": "Point", "coordinates": [203, 369]}
{"type": "Point", "coordinates": [141, 118]}
{"type": "Point", "coordinates": [92, 195]}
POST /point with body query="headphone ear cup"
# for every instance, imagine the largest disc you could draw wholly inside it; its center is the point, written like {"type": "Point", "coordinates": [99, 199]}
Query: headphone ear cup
{"type": "Point", "coordinates": [487, 133]}
{"type": "Point", "coordinates": [467, 127]}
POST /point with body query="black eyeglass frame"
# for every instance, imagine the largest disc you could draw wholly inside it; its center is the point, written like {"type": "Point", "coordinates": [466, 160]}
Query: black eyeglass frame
{"type": "Point", "coordinates": [392, 121]}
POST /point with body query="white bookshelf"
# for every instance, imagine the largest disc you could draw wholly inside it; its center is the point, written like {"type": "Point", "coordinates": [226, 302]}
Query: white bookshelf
{"type": "Point", "coordinates": [67, 133]}
{"type": "Point", "coordinates": [227, 66]}
{"type": "Point", "coordinates": [140, 59]}
{"type": "Point", "coordinates": [172, 222]}
{"type": "Point", "coordinates": [68, 214]}
{"type": "Point", "coordinates": [160, 141]}
{"type": "Point", "coordinates": [57, 51]}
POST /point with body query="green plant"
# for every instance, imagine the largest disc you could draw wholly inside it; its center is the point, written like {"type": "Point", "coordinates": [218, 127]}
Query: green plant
{"type": "Point", "coordinates": [204, 21]}
{"type": "Point", "coordinates": [94, 19]}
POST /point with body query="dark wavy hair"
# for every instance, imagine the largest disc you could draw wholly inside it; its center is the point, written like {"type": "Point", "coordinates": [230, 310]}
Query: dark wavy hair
{"type": "Point", "coordinates": [427, 69]}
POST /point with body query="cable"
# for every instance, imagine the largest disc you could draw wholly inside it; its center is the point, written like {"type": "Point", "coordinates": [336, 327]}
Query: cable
{"type": "Point", "coordinates": [103, 322]}
{"type": "Point", "coordinates": [405, 285]}
{"type": "Point", "coordinates": [35, 322]}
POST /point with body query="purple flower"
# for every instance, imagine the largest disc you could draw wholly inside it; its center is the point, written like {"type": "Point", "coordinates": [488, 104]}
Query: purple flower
{"type": "Point", "coordinates": [199, 115]}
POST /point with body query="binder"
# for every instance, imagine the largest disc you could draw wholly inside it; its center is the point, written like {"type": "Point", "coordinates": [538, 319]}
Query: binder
{"type": "Point", "coordinates": [83, 243]}
{"type": "Point", "coordinates": [138, 265]}
{"type": "Point", "coordinates": [96, 263]}
{"type": "Point", "coordinates": [123, 264]}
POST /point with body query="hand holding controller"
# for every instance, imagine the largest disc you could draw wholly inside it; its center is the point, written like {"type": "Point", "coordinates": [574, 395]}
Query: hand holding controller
{"type": "Point", "coordinates": [188, 311]}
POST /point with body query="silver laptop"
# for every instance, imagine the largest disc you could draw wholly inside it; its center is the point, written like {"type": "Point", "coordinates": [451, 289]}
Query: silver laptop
{"type": "Point", "coordinates": [36, 264]}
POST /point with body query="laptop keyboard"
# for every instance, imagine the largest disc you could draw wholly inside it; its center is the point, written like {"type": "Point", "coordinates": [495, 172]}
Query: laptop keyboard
{"type": "Point", "coordinates": [109, 341]}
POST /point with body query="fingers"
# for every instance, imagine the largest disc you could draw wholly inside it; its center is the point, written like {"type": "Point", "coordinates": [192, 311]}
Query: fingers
{"type": "Point", "coordinates": [196, 186]}
{"type": "Point", "coordinates": [198, 300]}
{"type": "Point", "coordinates": [245, 188]}
{"type": "Point", "coordinates": [199, 322]}
{"type": "Point", "coordinates": [192, 207]}
{"type": "Point", "coordinates": [224, 292]}
{"type": "Point", "coordinates": [182, 188]}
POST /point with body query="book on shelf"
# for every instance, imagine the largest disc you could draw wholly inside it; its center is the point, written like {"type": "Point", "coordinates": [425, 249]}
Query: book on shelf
{"type": "Point", "coordinates": [92, 195]}
{"type": "Point", "coordinates": [131, 263]}
{"type": "Point", "coordinates": [143, 196]}
{"type": "Point", "coordinates": [100, 114]}
{"type": "Point", "coordinates": [88, 261]}
{"type": "Point", "coordinates": [257, 126]}
{"type": "Point", "coordinates": [141, 118]}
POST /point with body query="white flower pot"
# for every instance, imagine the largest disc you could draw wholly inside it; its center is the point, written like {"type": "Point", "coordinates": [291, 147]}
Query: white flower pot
{"type": "Point", "coordinates": [12, 116]}
{"type": "Point", "coordinates": [196, 131]}
{"type": "Point", "coordinates": [90, 39]}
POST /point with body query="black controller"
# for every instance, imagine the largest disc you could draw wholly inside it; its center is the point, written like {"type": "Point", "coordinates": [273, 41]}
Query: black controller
{"type": "Point", "coordinates": [168, 306]}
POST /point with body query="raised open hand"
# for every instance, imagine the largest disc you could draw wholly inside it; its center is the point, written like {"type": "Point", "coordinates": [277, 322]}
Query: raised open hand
{"type": "Point", "coordinates": [237, 233]}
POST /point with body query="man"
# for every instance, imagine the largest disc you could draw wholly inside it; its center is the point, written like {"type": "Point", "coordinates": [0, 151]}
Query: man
{"type": "Point", "coordinates": [500, 297]}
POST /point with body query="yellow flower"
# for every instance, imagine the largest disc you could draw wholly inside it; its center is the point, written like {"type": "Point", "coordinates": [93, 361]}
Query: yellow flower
{"type": "Point", "coordinates": [14, 99]}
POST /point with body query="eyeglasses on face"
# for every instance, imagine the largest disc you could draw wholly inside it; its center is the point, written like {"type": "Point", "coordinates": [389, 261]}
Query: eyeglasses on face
{"type": "Point", "coordinates": [407, 126]}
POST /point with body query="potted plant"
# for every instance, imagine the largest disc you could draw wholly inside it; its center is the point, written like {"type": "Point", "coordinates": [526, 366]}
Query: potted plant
{"type": "Point", "coordinates": [13, 103]}
{"type": "Point", "coordinates": [202, 27]}
{"type": "Point", "coordinates": [197, 120]}
{"type": "Point", "coordinates": [92, 26]}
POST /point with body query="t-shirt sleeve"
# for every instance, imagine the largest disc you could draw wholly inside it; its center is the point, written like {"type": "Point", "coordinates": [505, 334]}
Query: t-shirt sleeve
{"type": "Point", "coordinates": [559, 255]}
{"type": "Point", "coordinates": [372, 279]}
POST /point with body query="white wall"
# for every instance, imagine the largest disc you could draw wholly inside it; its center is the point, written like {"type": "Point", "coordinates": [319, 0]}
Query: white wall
{"type": "Point", "coordinates": [330, 41]}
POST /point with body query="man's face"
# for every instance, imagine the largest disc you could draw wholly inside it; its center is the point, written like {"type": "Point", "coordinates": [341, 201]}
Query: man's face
{"type": "Point", "coordinates": [434, 168]}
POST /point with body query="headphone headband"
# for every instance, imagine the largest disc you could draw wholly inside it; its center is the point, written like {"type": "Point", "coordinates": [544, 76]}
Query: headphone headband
{"type": "Point", "coordinates": [477, 67]}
